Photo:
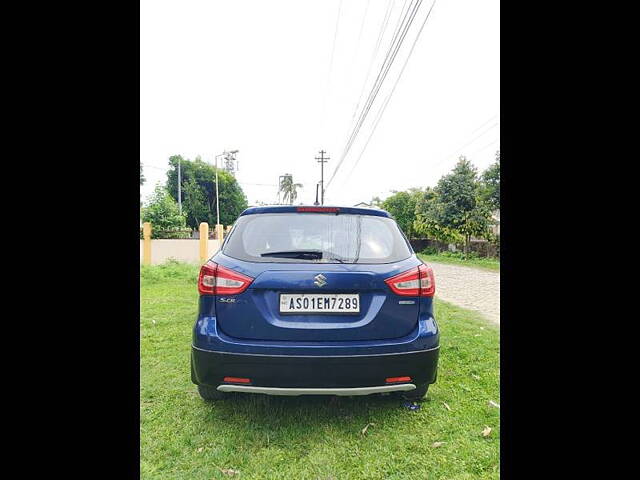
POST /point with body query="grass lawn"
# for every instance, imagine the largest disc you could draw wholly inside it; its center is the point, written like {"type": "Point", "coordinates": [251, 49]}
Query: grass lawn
{"type": "Point", "coordinates": [484, 263]}
{"type": "Point", "coordinates": [182, 437]}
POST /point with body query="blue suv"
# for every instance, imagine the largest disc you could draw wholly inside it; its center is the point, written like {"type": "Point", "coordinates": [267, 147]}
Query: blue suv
{"type": "Point", "coordinates": [315, 300]}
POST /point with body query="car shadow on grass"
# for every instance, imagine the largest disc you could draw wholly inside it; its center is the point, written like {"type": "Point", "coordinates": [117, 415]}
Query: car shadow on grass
{"type": "Point", "coordinates": [310, 416]}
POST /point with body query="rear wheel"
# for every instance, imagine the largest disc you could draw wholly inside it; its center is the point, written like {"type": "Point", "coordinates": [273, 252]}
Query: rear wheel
{"type": "Point", "coordinates": [418, 394]}
{"type": "Point", "coordinates": [210, 394]}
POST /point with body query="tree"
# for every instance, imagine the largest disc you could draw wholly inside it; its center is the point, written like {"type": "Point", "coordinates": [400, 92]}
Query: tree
{"type": "Point", "coordinates": [491, 184]}
{"type": "Point", "coordinates": [202, 206]}
{"type": "Point", "coordinates": [402, 206]}
{"type": "Point", "coordinates": [426, 219]}
{"type": "Point", "coordinates": [162, 212]}
{"type": "Point", "coordinates": [142, 180]}
{"type": "Point", "coordinates": [460, 204]}
{"type": "Point", "coordinates": [288, 188]}
{"type": "Point", "coordinates": [376, 202]}
{"type": "Point", "coordinates": [195, 202]}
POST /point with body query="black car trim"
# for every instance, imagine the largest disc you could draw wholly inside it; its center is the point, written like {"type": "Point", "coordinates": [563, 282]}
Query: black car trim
{"type": "Point", "coordinates": [291, 371]}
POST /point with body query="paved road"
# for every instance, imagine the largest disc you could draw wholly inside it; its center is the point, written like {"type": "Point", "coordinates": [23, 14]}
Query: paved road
{"type": "Point", "coordinates": [470, 288]}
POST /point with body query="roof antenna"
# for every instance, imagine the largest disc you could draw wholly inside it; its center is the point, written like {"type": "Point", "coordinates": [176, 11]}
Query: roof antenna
{"type": "Point", "coordinates": [316, 202]}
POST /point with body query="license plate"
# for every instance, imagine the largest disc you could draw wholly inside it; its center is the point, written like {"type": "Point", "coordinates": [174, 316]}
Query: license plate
{"type": "Point", "coordinates": [319, 303]}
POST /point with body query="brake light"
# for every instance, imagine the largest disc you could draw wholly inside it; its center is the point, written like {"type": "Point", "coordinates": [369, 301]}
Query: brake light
{"type": "Point", "coordinates": [215, 279]}
{"type": "Point", "coordinates": [318, 209]}
{"type": "Point", "coordinates": [417, 282]}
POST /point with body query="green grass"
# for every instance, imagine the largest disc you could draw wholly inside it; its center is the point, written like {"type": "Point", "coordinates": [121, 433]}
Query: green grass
{"type": "Point", "coordinates": [484, 263]}
{"type": "Point", "coordinates": [182, 437]}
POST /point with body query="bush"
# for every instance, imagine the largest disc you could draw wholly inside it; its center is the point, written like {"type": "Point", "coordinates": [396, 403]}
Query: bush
{"type": "Point", "coordinates": [461, 255]}
{"type": "Point", "coordinates": [454, 255]}
{"type": "Point", "coordinates": [169, 234]}
{"type": "Point", "coordinates": [429, 251]}
{"type": "Point", "coordinates": [163, 214]}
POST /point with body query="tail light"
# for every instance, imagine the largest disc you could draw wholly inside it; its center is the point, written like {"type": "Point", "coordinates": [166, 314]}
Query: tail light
{"type": "Point", "coordinates": [417, 282]}
{"type": "Point", "coordinates": [215, 279]}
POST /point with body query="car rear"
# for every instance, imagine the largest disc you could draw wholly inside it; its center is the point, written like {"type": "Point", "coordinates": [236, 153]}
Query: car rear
{"type": "Point", "coordinates": [315, 300]}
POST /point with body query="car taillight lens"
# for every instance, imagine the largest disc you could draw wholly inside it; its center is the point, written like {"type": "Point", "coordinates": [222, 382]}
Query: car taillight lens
{"type": "Point", "coordinates": [215, 279]}
{"type": "Point", "coordinates": [427, 281]}
{"type": "Point", "coordinates": [417, 282]}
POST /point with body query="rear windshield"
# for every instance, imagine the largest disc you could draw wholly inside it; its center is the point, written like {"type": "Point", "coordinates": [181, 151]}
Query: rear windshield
{"type": "Point", "coordinates": [316, 238]}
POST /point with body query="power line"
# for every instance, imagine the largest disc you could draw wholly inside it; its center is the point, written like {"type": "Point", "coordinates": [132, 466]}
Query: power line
{"type": "Point", "coordinates": [390, 57]}
{"type": "Point", "coordinates": [496, 115]}
{"type": "Point", "coordinates": [371, 95]}
{"type": "Point", "coordinates": [333, 48]}
{"type": "Point", "coordinates": [386, 102]}
{"type": "Point", "coordinates": [474, 152]}
{"type": "Point", "coordinates": [384, 70]}
{"type": "Point", "coordinates": [374, 91]}
{"type": "Point", "coordinates": [444, 159]}
{"type": "Point", "coordinates": [355, 53]}
{"type": "Point", "coordinates": [335, 35]}
{"type": "Point", "coordinates": [260, 184]}
{"type": "Point", "coordinates": [152, 166]}
{"type": "Point", "coordinates": [241, 183]}
{"type": "Point", "coordinates": [385, 22]}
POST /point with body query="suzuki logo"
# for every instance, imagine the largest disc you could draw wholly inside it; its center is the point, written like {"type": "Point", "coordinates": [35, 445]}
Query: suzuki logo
{"type": "Point", "coordinates": [321, 280]}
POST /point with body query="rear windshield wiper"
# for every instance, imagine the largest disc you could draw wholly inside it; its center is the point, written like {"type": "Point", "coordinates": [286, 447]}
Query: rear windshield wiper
{"type": "Point", "coordinates": [303, 254]}
{"type": "Point", "coordinates": [335, 257]}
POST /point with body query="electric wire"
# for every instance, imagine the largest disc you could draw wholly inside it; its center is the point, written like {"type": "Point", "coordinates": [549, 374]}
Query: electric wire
{"type": "Point", "coordinates": [372, 95]}
{"type": "Point", "coordinates": [328, 84]}
{"type": "Point", "coordinates": [385, 22]}
{"type": "Point", "coordinates": [391, 55]}
{"type": "Point", "coordinates": [386, 102]}
{"type": "Point", "coordinates": [388, 61]}
{"type": "Point", "coordinates": [496, 115]}
{"type": "Point", "coordinates": [444, 159]}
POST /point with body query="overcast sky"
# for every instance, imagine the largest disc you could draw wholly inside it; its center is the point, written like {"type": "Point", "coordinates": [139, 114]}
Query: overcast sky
{"type": "Point", "coordinates": [260, 77]}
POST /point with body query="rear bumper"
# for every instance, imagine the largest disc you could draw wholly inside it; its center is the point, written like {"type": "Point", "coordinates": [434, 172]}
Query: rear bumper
{"type": "Point", "coordinates": [326, 373]}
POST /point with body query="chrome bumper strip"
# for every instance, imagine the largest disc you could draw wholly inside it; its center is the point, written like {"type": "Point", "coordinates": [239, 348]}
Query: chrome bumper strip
{"type": "Point", "coordinates": [317, 391]}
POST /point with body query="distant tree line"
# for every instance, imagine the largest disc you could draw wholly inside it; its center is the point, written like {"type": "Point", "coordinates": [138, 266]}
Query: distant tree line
{"type": "Point", "coordinates": [198, 195]}
{"type": "Point", "coordinates": [459, 207]}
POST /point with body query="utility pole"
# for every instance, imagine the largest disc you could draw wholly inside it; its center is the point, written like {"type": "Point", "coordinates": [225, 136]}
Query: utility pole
{"type": "Point", "coordinates": [226, 155]}
{"type": "Point", "coordinates": [179, 188]}
{"type": "Point", "coordinates": [322, 160]}
{"type": "Point", "coordinates": [280, 178]}
{"type": "Point", "coordinates": [217, 188]}
{"type": "Point", "coordinates": [230, 162]}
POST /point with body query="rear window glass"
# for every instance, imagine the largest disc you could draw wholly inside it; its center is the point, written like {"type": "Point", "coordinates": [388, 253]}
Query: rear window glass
{"type": "Point", "coordinates": [316, 238]}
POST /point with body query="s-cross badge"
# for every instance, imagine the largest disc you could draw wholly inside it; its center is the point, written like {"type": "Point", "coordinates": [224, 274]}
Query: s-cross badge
{"type": "Point", "coordinates": [321, 280]}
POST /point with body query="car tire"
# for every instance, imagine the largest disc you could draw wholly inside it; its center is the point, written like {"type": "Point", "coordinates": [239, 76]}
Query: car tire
{"type": "Point", "coordinates": [210, 394]}
{"type": "Point", "coordinates": [418, 394]}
